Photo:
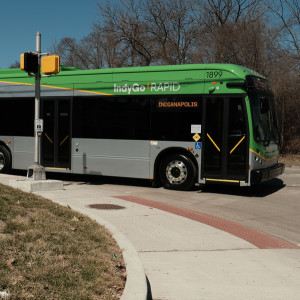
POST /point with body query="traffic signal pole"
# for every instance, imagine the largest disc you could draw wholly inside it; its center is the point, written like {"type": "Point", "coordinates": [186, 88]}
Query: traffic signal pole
{"type": "Point", "coordinates": [30, 62]}
{"type": "Point", "coordinates": [36, 171]}
{"type": "Point", "coordinates": [37, 99]}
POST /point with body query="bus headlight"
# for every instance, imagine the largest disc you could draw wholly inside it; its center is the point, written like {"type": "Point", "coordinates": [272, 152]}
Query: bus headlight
{"type": "Point", "coordinates": [257, 159]}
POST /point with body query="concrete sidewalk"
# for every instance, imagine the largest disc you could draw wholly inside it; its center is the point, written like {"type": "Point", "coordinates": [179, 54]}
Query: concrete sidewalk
{"type": "Point", "coordinates": [185, 259]}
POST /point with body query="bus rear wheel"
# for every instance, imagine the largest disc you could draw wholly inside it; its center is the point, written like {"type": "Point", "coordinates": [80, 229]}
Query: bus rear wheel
{"type": "Point", "coordinates": [5, 160]}
{"type": "Point", "coordinates": [177, 172]}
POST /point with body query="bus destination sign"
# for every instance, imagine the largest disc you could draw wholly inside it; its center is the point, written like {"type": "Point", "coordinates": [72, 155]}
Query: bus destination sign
{"type": "Point", "coordinates": [178, 104]}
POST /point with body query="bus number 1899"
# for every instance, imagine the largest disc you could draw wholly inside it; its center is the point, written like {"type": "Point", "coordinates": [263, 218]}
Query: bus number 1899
{"type": "Point", "coordinates": [214, 74]}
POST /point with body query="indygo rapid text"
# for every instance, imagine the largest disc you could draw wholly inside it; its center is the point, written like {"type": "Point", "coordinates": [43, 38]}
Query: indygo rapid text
{"type": "Point", "coordinates": [153, 87]}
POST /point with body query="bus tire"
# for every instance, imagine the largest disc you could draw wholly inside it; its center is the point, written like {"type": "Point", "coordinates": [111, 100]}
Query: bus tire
{"type": "Point", "coordinates": [5, 160]}
{"type": "Point", "coordinates": [177, 172]}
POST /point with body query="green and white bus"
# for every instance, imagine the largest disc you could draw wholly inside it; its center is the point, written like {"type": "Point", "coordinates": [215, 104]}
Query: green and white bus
{"type": "Point", "coordinates": [175, 125]}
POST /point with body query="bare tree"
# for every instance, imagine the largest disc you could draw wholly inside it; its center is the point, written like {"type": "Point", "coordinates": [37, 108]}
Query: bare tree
{"type": "Point", "coordinates": [85, 54]}
{"type": "Point", "coordinates": [15, 65]}
{"type": "Point", "coordinates": [235, 31]}
{"type": "Point", "coordinates": [223, 12]}
{"type": "Point", "coordinates": [286, 89]}
{"type": "Point", "coordinates": [285, 71]}
{"type": "Point", "coordinates": [126, 23]}
{"type": "Point", "coordinates": [113, 54]}
{"type": "Point", "coordinates": [173, 31]}
{"type": "Point", "coordinates": [149, 32]}
{"type": "Point", "coordinates": [288, 14]}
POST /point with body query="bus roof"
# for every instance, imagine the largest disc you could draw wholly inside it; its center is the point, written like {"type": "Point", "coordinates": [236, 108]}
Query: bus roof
{"type": "Point", "coordinates": [239, 70]}
{"type": "Point", "coordinates": [172, 79]}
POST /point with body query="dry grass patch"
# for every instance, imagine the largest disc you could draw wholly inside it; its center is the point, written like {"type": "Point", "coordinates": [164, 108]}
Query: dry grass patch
{"type": "Point", "coordinates": [51, 252]}
{"type": "Point", "coordinates": [290, 160]}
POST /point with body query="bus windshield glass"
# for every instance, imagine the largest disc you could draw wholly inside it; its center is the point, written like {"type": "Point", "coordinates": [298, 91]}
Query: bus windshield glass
{"type": "Point", "coordinates": [264, 118]}
{"type": "Point", "coordinates": [263, 111]}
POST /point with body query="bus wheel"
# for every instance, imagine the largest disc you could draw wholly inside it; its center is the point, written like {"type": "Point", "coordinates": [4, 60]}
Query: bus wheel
{"type": "Point", "coordinates": [177, 172]}
{"type": "Point", "coordinates": [5, 160]}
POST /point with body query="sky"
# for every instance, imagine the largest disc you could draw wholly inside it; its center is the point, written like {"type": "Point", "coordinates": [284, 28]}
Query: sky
{"type": "Point", "coordinates": [20, 20]}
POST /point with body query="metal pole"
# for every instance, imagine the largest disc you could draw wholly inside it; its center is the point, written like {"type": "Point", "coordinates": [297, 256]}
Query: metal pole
{"type": "Point", "coordinates": [37, 100]}
{"type": "Point", "coordinates": [36, 171]}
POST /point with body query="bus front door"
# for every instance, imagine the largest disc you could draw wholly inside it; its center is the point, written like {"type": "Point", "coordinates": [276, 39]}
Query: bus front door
{"type": "Point", "coordinates": [225, 140]}
{"type": "Point", "coordinates": [56, 139]}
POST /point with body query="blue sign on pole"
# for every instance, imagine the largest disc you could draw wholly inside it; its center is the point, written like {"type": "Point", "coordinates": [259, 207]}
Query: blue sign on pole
{"type": "Point", "coordinates": [198, 145]}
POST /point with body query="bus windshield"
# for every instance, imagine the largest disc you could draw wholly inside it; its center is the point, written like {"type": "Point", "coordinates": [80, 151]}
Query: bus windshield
{"type": "Point", "coordinates": [264, 118]}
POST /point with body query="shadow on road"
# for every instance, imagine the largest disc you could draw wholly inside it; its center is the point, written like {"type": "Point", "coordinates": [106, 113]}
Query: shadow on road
{"type": "Point", "coordinates": [261, 190]}
{"type": "Point", "coordinates": [90, 179]}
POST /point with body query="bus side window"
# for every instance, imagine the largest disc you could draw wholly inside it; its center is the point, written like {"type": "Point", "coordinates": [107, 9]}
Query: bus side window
{"type": "Point", "coordinates": [173, 116]}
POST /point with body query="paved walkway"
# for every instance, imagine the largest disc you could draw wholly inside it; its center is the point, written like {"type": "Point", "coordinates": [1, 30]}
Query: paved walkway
{"type": "Point", "coordinates": [184, 258]}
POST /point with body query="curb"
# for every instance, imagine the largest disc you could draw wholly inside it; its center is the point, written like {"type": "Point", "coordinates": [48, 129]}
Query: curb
{"type": "Point", "coordinates": [136, 282]}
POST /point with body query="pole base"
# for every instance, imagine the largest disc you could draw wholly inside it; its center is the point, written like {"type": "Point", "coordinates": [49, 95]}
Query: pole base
{"type": "Point", "coordinates": [36, 172]}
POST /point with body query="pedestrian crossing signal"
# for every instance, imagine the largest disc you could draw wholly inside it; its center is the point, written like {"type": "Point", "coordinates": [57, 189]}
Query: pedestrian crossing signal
{"type": "Point", "coordinates": [29, 62]}
{"type": "Point", "coordinates": [50, 64]}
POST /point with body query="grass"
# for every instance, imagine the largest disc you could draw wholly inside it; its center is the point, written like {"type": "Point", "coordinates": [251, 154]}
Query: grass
{"type": "Point", "coordinates": [51, 252]}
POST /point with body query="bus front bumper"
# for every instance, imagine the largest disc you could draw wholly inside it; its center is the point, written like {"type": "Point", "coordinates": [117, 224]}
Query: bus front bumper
{"type": "Point", "coordinates": [261, 175]}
